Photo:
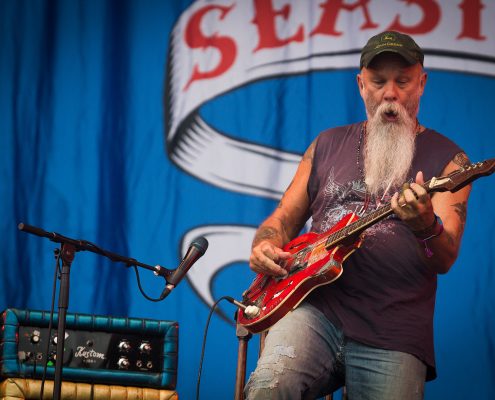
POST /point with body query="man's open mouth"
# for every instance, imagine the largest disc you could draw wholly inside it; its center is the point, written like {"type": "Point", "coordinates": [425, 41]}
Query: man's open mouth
{"type": "Point", "coordinates": [390, 114]}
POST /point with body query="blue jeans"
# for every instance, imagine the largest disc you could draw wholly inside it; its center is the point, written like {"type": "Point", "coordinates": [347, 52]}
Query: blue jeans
{"type": "Point", "coordinates": [306, 357]}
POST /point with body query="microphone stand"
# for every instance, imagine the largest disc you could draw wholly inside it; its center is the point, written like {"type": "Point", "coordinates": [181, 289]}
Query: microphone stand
{"type": "Point", "coordinates": [68, 252]}
{"type": "Point", "coordinates": [69, 247]}
{"type": "Point", "coordinates": [243, 337]}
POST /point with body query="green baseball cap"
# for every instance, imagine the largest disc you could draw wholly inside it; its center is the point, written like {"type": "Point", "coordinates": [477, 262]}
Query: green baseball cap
{"type": "Point", "coordinates": [393, 42]}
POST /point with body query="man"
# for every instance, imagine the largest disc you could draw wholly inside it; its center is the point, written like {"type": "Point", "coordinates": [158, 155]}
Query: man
{"type": "Point", "coordinates": [372, 329]}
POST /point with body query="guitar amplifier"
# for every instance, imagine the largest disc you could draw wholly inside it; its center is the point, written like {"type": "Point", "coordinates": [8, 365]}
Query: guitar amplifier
{"type": "Point", "coordinates": [29, 389]}
{"type": "Point", "coordinates": [97, 349]}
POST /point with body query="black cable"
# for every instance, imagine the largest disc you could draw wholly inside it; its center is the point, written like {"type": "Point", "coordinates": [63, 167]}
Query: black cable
{"type": "Point", "coordinates": [212, 309]}
{"type": "Point", "coordinates": [141, 288]}
{"type": "Point", "coordinates": [112, 257]}
{"type": "Point", "coordinates": [50, 324]}
{"type": "Point", "coordinates": [107, 254]}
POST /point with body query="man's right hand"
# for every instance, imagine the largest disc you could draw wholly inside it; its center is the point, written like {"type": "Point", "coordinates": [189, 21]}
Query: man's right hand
{"type": "Point", "coordinates": [265, 257]}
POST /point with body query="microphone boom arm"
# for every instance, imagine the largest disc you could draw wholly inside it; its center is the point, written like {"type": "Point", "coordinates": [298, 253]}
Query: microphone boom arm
{"type": "Point", "coordinates": [80, 245]}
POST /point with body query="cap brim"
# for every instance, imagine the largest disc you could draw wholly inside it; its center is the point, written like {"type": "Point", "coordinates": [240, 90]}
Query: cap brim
{"type": "Point", "coordinates": [408, 58]}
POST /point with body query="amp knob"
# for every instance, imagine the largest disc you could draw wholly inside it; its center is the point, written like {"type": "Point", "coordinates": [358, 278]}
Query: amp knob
{"type": "Point", "coordinates": [145, 347]}
{"type": "Point", "coordinates": [35, 337]}
{"type": "Point", "coordinates": [123, 363]}
{"type": "Point", "coordinates": [124, 345]}
{"type": "Point", "coordinates": [52, 356]}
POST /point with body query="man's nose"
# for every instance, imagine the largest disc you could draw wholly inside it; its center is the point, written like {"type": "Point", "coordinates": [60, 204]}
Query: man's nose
{"type": "Point", "coordinates": [390, 92]}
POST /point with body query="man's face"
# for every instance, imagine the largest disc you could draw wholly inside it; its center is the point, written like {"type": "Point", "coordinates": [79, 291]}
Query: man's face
{"type": "Point", "coordinates": [389, 79]}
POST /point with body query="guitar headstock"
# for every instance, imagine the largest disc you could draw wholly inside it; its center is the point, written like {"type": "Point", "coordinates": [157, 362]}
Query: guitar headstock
{"type": "Point", "coordinates": [456, 180]}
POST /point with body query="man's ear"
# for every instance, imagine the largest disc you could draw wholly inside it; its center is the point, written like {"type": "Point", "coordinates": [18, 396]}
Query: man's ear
{"type": "Point", "coordinates": [360, 83]}
{"type": "Point", "coordinates": [423, 79]}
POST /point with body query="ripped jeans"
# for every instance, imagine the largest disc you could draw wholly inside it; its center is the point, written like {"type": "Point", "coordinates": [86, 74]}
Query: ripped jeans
{"type": "Point", "coordinates": [306, 357]}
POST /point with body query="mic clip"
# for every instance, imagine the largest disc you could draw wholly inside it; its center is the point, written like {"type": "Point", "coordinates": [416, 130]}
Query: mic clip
{"type": "Point", "coordinates": [162, 271]}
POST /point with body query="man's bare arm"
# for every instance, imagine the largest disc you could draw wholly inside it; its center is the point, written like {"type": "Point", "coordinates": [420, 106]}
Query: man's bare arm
{"type": "Point", "coordinates": [420, 212]}
{"type": "Point", "coordinates": [284, 223]}
{"type": "Point", "coordinates": [452, 209]}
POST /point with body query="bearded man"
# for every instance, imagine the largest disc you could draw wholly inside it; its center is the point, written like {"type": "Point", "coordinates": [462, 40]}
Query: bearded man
{"type": "Point", "coordinates": [372, 329]}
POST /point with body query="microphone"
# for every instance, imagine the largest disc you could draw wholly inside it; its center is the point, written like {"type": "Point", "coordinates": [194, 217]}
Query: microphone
{"type": "Point", "coordinates": [196, 249]}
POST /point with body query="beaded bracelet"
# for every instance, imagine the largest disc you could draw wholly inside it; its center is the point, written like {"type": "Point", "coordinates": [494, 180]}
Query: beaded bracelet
{"type": "Point", "coordinates": [431, 232]}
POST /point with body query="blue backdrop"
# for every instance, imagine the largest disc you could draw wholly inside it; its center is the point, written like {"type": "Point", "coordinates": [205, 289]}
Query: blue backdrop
{"type": "Point", "coordinates": [83, 153]}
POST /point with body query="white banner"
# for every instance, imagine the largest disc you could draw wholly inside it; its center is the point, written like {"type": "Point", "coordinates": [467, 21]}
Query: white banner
{"type": "Point", "coordinates": [218, 46]}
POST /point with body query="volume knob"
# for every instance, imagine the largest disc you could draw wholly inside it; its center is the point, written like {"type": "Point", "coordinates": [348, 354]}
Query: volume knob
{"type": "Point", "coordinates": [123, 363]}
{"type": "Point", "coordinates": [35, 337]}
{"type": "Point", "coordinates": [124, 345]}
{"type": "Point", "coordinates": [145, 347]}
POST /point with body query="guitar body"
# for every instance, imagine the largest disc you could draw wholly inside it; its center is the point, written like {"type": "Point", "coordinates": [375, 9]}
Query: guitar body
{"type": "Point", "coordinates": [310, 265]}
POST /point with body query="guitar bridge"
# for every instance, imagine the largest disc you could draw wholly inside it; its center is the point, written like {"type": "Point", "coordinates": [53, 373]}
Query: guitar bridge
{"type": "Point", "coordinates": [330, 264]}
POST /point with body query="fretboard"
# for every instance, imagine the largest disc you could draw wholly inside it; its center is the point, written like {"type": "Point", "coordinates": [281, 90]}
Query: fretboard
{"type": "Point", "coordinates": [357, 227]}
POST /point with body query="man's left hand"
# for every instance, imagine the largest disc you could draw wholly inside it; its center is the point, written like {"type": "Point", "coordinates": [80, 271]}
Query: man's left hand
{"type": "Point", "coordinates": [413, 205]}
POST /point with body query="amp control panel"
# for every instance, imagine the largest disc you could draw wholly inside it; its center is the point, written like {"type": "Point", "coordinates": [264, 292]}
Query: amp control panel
{"type": "Point", "coordinates": [98, 350]}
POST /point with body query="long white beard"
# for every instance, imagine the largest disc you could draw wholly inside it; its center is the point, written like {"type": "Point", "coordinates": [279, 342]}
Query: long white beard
{"type": "Point", "coordinates": [388, 148]}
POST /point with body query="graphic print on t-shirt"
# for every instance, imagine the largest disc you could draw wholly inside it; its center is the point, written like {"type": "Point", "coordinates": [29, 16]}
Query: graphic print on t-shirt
{"type": "Point", "coordinates": [342, 199]}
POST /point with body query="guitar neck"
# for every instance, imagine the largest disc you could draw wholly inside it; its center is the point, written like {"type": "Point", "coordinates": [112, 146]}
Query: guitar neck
{"type": "Point", "coordinates": [452, 182]}
{"type": "Point", "coordinates": [356, 228]}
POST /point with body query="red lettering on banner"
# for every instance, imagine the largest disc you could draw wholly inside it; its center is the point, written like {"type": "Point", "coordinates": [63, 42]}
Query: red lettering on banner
{"type": "Point", "coordinates": [196, 40]}
{"type": "Point", "coordinates": [331, 10]}
{"type": "Point", "coordinates": [267, 18]}
{"type": "Point", "coordinates": [264, 19]}
{"type": "Point", "coordinates": [431, 17]}
{"type": "Point", "coordinates": [471, 20]}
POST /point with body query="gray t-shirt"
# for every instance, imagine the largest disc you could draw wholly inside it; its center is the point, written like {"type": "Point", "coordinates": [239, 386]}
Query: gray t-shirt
{"type": "Point", "coordinates": [386, 294]}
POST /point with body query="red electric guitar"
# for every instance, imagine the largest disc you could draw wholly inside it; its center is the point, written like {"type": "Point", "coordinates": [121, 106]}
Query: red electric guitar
{"type": "Point", "coordinates": [317, 259]}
